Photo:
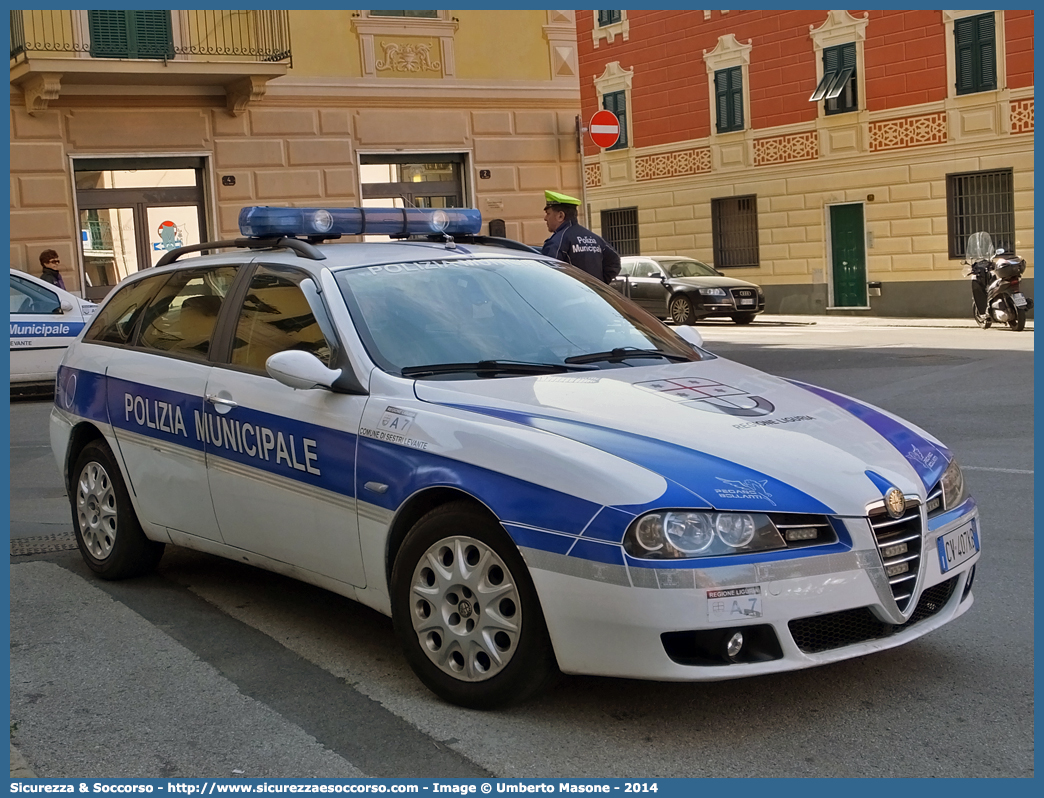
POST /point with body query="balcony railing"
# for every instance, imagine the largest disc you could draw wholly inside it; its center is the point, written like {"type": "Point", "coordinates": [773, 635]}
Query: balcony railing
{"type": "Point", "coordinates": [249, 36]}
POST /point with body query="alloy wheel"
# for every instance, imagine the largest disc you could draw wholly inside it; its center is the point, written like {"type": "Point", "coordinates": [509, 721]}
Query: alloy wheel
{"type": "Point", "coordinates": [96, 510]}
{"type": "Point", "coordinates": [465, 608]}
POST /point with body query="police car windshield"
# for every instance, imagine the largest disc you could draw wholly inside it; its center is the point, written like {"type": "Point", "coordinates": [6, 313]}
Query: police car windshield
{"type": "Point", "coordinates": [471, 313]}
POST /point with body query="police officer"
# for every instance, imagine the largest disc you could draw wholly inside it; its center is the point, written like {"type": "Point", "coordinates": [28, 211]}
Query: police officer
{"type": "Point", "coordinates": [575, 244]}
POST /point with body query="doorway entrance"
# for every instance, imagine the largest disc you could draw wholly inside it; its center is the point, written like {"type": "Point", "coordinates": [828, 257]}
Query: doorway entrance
{"type": "Point", "coordinates": [848, 256]}
{"type": "Point", "coordinates": [132, 210]}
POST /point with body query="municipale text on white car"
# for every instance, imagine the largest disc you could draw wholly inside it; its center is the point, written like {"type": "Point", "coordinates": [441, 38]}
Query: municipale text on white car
{"type": "Point", "coordinates": [526, 471]}
{"type": "Point", "coordinates": [44, 320]}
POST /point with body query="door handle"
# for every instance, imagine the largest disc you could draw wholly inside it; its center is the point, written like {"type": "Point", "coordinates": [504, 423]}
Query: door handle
{"type": "Point", "coordinates": [220, 401]}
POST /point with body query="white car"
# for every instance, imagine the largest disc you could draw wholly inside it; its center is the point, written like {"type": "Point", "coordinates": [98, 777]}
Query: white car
{"type": "Point", "coordinates": [526, 471]}
{"type": "Point", "coordinates": [44, 320]}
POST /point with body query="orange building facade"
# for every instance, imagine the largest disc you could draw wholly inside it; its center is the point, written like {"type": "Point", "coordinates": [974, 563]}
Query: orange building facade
{"type": "Point", "coordinates": [837, 158]}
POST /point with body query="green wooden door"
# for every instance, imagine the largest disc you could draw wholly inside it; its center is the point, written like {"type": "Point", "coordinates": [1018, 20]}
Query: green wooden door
{"type": "Point", "coordinates": [848, 254]}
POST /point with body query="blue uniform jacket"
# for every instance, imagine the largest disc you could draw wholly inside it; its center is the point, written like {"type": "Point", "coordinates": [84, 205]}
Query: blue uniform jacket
{"type": "Point", "coordinates": [577, 245]}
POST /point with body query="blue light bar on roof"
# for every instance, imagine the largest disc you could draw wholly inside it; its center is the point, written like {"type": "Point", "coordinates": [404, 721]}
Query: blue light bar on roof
{"type": "Point", "coordinates": [266, 222]}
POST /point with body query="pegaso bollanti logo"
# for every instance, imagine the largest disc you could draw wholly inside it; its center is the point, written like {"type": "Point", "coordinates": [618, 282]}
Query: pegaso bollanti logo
{"type": "Point", "coordinates": [710, 395]}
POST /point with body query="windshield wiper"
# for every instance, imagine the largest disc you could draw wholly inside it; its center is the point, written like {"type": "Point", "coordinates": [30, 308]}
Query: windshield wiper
{"type": "Point", "coordinates": [490, 367]}
{"type": "Point", "coordinates": [625, 353]}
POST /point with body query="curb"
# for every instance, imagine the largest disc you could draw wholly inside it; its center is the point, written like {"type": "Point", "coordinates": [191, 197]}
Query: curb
{"type": "Point", "coordinates": [792, 320]}
{"type": "Point", "coordinates": [19, 767]}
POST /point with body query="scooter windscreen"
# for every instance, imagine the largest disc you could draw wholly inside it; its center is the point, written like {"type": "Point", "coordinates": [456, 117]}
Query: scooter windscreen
{"type": "Point", "coordinates": [980, 247]}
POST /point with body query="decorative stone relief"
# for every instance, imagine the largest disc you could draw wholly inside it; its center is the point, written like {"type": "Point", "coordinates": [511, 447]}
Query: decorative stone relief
{"type": "Point", "coordinates": [1022, 116]}
{"type": "Point", "coordinates": [911, 131]}
{"type": "Point", "coordinates": [436, 34]}
{"type": "Point", "coordinates": [592, 175]}
{"type": "Point", "coordinates": [786, 149]}
{"type": "Point", "coordinates": [673, 164]}
{"type": "Point", "coordinates": [407, 57]}
{"type": "Point", "coordinates": [560, 32]}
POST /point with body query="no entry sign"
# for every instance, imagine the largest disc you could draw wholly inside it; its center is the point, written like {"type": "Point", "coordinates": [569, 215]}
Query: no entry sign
{"type": "Point", "coordinates": [605, 128]}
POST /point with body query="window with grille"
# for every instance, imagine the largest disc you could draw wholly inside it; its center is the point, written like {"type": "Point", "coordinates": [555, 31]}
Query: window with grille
{"type": "Point", "coordinates": [130, 34]}
{"type": "Point", "coordinates": [617, 103]}
{"type": "Point", "coordinates": [608, 18]}
{"type": "Point", "coordinates": [838, 86]}
{"type": "Point", "coordinates": [620, 229]}
{"type": "Point", "coordinates": [734, 229]}
{"type": "Point", "coordinates": [976, 53]}
{"type": "Point", "coordinates": [980, 202]}
{"type": "Point", "coordinates": [728, 90]}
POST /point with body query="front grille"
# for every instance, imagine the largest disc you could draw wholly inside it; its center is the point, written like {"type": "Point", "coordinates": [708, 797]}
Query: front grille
{"type": "Point", "coordinates": [744, 293]}
{"type": "Point", "coordinates": [848, 627]}
{"type": "Point", "coordinates": [899, 542]}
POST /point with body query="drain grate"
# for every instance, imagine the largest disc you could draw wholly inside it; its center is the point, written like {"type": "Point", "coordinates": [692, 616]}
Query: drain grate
{"type": "Point", "coordinates": [43, 544]}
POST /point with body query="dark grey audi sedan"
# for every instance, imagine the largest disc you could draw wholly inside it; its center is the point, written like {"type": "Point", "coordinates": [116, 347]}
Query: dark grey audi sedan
{"type": "Point", "coordinates": [684, 290]}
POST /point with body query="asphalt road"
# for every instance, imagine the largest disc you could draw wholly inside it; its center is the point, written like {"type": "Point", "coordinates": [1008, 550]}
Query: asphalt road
{"type": "Point", "coordinates": [214, 669]}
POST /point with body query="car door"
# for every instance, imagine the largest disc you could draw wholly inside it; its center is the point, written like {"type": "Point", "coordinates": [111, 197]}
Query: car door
{"type": "Point", "coordinates": [43, 324]}
{"type": "Point", "coordinates": [154, 392]}
{"type": "Point", "coordinates": [281, 461]}
{"type": "Point", "coordinates": [647, 288]}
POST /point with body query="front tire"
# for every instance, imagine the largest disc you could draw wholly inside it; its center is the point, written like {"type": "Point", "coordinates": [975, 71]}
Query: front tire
{"type": "Point", "coordinates": [466, 613]}
{"type": "Point", "coordinates": [108, 533]}
{"type": "Point", "coordinates": [681, 310]}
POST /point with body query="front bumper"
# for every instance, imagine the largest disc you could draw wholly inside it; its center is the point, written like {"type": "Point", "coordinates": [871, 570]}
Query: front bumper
{"type": "Point", "coordinates": [654, 623]}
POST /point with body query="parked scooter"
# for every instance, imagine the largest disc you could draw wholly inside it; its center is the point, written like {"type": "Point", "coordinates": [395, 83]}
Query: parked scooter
{"type": "Point", "coordinates": [996, 290]}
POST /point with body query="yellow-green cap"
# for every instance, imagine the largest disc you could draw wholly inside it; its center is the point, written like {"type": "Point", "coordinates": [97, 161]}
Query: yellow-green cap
{"type": "Point", "coordinates": [554, 198]}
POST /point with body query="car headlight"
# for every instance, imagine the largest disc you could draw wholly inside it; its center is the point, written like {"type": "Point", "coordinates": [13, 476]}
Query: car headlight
{"type": "Point", "coordinates": [679, 534]}
{"type": "Point", "coordinates": [713, 292]}
{"type": "Point", "coordinates": [952, 483]}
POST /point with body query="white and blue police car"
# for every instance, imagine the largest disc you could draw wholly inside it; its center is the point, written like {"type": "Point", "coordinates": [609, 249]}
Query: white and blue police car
{"type": "Point", "coordinates": [44, 320]}
{"type": "Point", "coordinates": [526, 471]}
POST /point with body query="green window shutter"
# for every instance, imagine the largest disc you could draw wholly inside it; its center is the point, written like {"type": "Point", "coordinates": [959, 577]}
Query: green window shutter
{"type": "Point", "coordinates": [152, 36]}
{"type": "Point", "coordinates": [987, 52]}
{"type": "Point", "coordinates": [736, 95]}
{"type": "Point", "coordinates": [728, 88]}
{"type": "Point", "coordinates": [964, 39]}
{"type": "Point", "coordinates": [108, 31]}
{"type": "Point", "coordinates": [832, 59]}
{"type": "Point", "coordinates": [975, 49]}
{"type": "Point", "coordinates": [131, 34]}
{"type": "Point", "coordinates": [617, 103]}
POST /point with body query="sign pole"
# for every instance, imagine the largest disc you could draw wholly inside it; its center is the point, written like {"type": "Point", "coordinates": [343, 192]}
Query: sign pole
{"type": "Point", "coordinates": [583, 182]}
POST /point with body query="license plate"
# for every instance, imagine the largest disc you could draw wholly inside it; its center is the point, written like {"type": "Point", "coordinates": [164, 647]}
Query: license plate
{"type": "Point", "coordinates": [751, 301]}
{"type": "Point", "coordinates": [734, 604]}
{"type": "Point", "coordinates": [1019, 300]}
{"type": "Point", "coordinates": [958, 546]}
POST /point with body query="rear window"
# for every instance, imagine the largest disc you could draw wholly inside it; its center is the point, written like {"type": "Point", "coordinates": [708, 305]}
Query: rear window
{"type": "Point", "coordinates": [182, 315]}
{"type": "Point", "coordinates": [118, 318]}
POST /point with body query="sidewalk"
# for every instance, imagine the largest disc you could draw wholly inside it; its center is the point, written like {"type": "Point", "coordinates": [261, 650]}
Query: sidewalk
{"type": "Point", "coordinates": [19, 767]}
{"type": "Point", "coordinates": [855, 321]}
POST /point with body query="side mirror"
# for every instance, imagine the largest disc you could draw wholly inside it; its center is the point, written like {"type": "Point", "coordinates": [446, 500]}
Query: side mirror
{"type": "Point", "coordinates": [300, 370]}
{"type": "Point", "coordinates": [690, 335]}
{"type": "Point", "coordinates": [66, 306]}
